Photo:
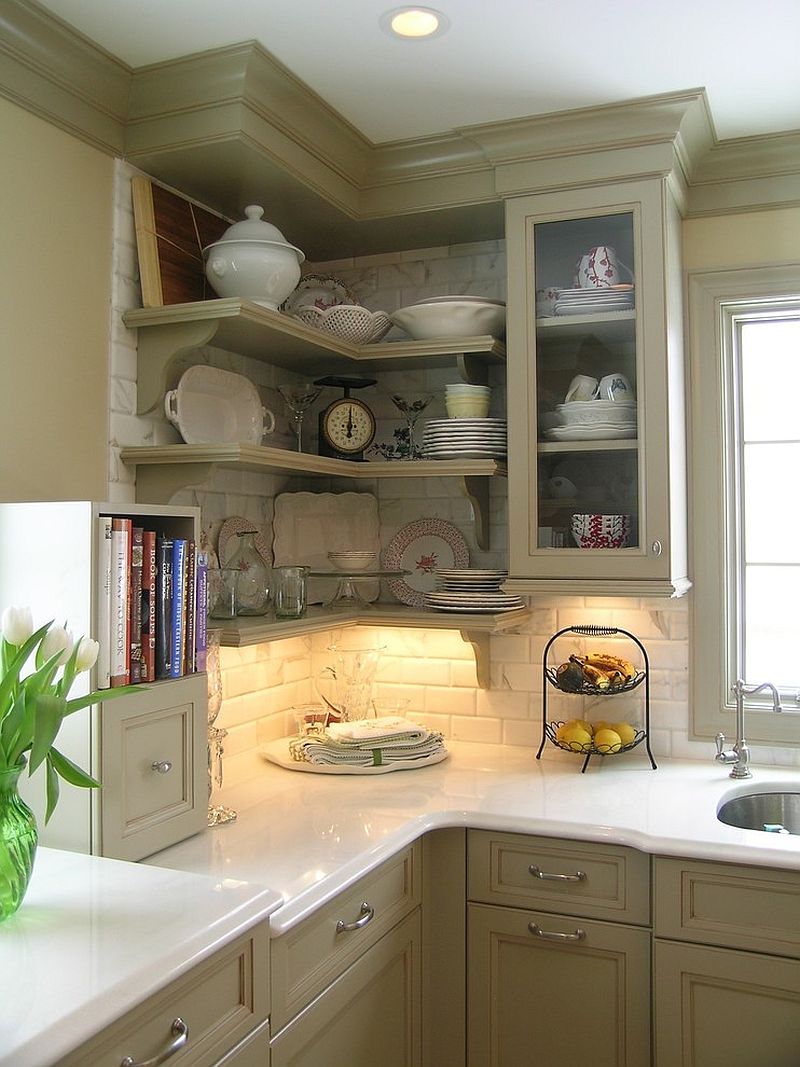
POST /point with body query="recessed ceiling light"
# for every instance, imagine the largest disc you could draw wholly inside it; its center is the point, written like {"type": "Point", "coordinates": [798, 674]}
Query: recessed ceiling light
{"type": "Point", "coordinates": [414, 23]}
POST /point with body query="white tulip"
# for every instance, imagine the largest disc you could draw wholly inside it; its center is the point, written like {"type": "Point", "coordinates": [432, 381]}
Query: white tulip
{"type": "Point", "coordinates": [57, 640]}
{"type": "Point", "coordinates": [17, 625]}
{"type": "Point", "coordinates": [87, 654]}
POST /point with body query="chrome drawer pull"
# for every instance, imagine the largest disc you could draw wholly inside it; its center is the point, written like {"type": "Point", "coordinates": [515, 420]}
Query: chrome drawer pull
{"type": "Point", "coordinates": [180, 1033]}
{"type": "Point", "coordinates": [537, 872]}
{"type": "Point", "coordinates": [553, 935]}
{"type": "Point", "coordinates": [161, 766]}
{"type": "Point", "coordinates": [367, 915]}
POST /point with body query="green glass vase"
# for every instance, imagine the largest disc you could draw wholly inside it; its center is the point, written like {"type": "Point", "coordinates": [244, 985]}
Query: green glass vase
{"type": "Point", "coordinates": [18, 839]}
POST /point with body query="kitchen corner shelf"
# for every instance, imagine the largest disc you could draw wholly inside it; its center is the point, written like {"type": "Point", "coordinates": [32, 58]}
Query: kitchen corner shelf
{"type": "Point", "coordinates": [474, 629]}
{"type": "Point", "coordinates": [164, 469]}
{"type": "Point", "coordinates": [272, 337]}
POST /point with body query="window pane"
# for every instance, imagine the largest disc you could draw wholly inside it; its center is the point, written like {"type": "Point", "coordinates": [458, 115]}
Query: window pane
{"type": "Point", "coordinates": [772, 625]}
{"type": "Point", "coordinates": [772, 503]}
{"type": "Point", "coordinates": [770, 358]}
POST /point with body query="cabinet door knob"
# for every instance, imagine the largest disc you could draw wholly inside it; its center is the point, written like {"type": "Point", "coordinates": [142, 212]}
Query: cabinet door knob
{"type": "Point", "coordinates": [180, 1036]}
{"type": "Point", "coordinates": [161, 766]}
{"type": "Point", "coordinates": [537, 872]}
{"type": "Point", "coordinates": [555, 935]}
{"type": "Point", "coordinates": [656, 548]}
{"type": "Point", "coordinates": [367, 915]}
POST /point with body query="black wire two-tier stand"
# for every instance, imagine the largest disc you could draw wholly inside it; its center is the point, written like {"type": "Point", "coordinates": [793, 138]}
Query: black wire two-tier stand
{"type": "Point", "coordinates": [550, 678]}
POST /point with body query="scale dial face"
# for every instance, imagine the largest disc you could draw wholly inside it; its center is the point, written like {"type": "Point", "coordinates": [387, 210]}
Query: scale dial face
{"type": "Point", "coordinates": [348, 425]}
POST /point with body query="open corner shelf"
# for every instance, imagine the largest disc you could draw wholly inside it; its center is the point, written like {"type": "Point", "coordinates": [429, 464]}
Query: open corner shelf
{"type": "Point", "coordinates": [474, 629]}
{"type": "Point", "coordinates": [272, 337]}
{"type": "Point", "coordinates": [161, 471]}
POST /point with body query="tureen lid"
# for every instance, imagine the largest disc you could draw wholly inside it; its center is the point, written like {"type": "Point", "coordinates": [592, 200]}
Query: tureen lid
{"type": "Point", "coordinates": [253, 228]}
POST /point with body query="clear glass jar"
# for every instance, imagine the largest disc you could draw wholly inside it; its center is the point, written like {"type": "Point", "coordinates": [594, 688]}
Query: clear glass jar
{"type": "Point", "coordinates": [252, 585]}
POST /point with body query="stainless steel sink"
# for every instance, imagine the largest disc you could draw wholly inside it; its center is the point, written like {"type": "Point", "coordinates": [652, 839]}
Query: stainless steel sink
{"type": "Point", "coordinates": [777, 813]}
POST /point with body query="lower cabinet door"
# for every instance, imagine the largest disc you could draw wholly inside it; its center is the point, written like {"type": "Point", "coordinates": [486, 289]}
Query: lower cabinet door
{"type": "Point", "coordinates": [555, 991]}
{"type": "Point", "coordinates": [718, 1007]}
{"type": "Point", "coordinates": [369, 1016]}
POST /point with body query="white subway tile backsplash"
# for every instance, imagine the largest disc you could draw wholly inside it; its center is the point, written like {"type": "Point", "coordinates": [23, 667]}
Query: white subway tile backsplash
{"type": "Point", "coordinates": [434, 669]}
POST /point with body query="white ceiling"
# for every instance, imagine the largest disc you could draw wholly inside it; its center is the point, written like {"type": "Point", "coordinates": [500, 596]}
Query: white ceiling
{"type": "Point", "coordinates": [499, 60]}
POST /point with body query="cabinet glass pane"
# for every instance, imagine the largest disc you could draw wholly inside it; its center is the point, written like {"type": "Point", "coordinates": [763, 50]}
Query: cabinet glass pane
{"type": "Point", "coordinates": [586, 383]}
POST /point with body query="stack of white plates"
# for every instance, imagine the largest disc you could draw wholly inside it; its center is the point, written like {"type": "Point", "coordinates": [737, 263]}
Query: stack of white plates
{"type": "Point", "coordinates": [593, 432]}
{"type": "Point", "coordinates": [594, 301]}
{"type": "Point", "coordinates": [471, 590]}
{"type": "Point", "coordinates": [593, 420]}
{"type": "Point", "coordinates": [467, 438]}
{"type": "Point", "coordinates": [469, 580]}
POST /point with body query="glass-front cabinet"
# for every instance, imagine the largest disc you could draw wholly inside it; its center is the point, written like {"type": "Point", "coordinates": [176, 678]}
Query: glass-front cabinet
{"type": "Point", "coordinates": [596, 392]}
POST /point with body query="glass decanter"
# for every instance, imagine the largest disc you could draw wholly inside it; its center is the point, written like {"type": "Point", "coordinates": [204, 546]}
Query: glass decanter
{"type": "Point", "coordinates": [252, 585]}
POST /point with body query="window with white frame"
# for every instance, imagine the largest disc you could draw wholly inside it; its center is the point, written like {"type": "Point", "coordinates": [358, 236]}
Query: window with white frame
{"type": "Point", "coordinates": [745, 448]}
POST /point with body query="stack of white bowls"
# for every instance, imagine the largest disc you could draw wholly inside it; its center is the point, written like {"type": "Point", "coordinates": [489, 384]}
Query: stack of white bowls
{"type": "Point", "coordinates": [464, 401]}
{"type": "Point", "coordinates": [610, 414]}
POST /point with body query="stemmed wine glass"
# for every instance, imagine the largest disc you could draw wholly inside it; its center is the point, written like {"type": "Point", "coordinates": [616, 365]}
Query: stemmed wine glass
{"type": "Point", "coordinates": [412, 405]}
{"type": "Point", "coordinates": [298, 399]}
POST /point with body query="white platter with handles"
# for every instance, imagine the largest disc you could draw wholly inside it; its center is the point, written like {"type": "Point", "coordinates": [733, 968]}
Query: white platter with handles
{"type": "Point", "coordinates": [212, 407]}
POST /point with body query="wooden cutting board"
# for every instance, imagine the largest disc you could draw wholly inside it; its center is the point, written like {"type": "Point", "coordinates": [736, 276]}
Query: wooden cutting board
{"type": "Point", "coordinates": [171, 232]}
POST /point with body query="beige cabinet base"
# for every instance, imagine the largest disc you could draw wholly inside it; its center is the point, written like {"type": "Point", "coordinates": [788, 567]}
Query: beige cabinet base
{"type": "Point", "coordinates": [221, 1000]}
{"type": "Point", "coordinates": [369, 1017]}
{"type": "Point", "coordinates": [532, 1000]}
{"type": "Point", "coordinates": [724, 1008]}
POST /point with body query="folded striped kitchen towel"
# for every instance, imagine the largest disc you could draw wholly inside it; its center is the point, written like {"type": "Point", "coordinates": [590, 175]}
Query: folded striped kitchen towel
{"type": "Point", "coordinates": [368, 743]}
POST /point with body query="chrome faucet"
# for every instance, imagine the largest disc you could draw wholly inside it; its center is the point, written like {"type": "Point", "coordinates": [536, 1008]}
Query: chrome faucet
{"type": "Point", "coordinates": [739, 755]}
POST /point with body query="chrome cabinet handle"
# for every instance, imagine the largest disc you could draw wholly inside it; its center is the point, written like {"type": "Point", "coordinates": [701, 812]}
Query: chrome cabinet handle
{"type": "Point", "coordinates": [537, 872]}
{"type": "Point", "coordinates": [554, 935]}
{"type": "Point", "coordinates": [180, 1036]}
{"type": "Point", "coordinates": [367, 915]}
{"type": "Point", "coordinates": [656, 548]}
{"type": "Point", "coordinates": [161, 766]}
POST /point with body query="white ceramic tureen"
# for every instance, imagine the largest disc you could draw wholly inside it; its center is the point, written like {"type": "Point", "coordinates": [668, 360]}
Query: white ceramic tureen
{"type": "Point", "coordinates": [254, 261]}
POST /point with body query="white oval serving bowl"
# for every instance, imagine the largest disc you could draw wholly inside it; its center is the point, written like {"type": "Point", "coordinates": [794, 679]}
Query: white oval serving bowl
{"type": "Point", "coordinates": [451, 318]}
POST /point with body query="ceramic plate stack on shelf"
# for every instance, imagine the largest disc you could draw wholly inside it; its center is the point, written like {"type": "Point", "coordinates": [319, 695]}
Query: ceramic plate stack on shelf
{"type": "Point", "coordinates": [471, 591]}
{"type": "Point", "coordinates": [594, 420]}
{"type": "Point", "coordinates": [594, 301]}
{"type": "Point", "coordinates": [467, 438]}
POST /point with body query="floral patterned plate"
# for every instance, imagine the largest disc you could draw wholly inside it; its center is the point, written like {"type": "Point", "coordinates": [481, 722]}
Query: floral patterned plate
{"type": "Point", "coordinates": [421, 548]}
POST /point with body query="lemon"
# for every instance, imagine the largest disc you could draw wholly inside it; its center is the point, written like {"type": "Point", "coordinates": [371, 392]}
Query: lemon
{"type": "Point", "coordinates": [627, 733]}
{"type": "Point", "coordinates": [583, 723]}
{"type": "Point", "coordinates": [607, 739]}
{"type": "Point", "coordinates": [574, 736]}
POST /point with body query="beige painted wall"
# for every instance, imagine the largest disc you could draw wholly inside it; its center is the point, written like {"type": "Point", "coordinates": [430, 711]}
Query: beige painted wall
{"type": "Point", "coordinates": [749, 239]}
{"type": "Point", "coordinates": [55, 282]}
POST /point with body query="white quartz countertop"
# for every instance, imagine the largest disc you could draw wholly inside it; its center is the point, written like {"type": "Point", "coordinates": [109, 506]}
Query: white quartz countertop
{"type": "Point", "coordinates": [308, 836]}
{"type": "Point", "coordinates": [94, 937]}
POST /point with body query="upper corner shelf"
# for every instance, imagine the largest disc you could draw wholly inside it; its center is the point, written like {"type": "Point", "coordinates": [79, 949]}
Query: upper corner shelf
{"type": "Point", "coordinates": [272, 337]}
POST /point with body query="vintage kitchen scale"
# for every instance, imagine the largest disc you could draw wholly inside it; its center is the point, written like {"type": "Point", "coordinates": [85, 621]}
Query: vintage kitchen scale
{"type": "Point", "coordinates": [347, 425]}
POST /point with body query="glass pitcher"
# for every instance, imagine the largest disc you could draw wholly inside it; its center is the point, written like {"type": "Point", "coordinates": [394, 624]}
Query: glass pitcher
{"type": "Point", "coordinates": [346, 684]}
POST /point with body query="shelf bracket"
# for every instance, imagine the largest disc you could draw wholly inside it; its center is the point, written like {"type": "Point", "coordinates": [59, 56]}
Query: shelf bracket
{"type": "Point", "coordinates": [158, 348]}
{"type": "Point", "coordinates": [158, 484]}
{"type": "Point", "coordinates": [472, 368]}
{"type": "Point", "coordinates": [476, 490]}
{"type": "Point", "coordinates": [480, 646]}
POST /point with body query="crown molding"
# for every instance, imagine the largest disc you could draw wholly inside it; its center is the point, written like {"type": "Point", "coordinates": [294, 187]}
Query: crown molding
{"type": "Point", "coordinates": [49, 69]}
{"type": "Point", "coordinates": [233, 126]}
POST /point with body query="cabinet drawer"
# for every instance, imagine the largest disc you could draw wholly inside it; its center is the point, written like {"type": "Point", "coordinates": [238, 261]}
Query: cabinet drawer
{"type": "Point", "coordinates": [578, 878]}
{"type": "Point", "coordinates": [369, 1017]}
{"type": "Point", "coordinates": [154, 768]}
{"type": "Point", "coordinates": [725, 904]}
{"type": "Point", "coordinates": [309, 957]}
{"type": "Point", "coordinates": [221, 1000]}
